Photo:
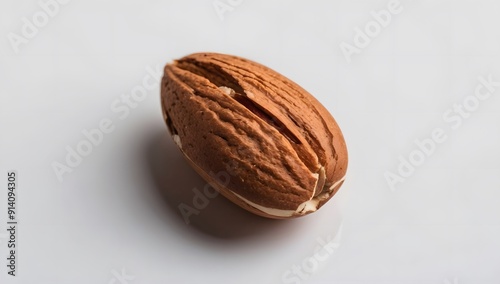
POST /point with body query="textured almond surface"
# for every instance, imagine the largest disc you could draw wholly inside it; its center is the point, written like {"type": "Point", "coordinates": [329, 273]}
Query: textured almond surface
{"type": "Point", "coordinates": [285, 153]}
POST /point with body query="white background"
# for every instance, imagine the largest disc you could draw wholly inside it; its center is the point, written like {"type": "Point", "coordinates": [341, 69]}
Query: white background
{"type": "Point", "coordinates": [116, 212]}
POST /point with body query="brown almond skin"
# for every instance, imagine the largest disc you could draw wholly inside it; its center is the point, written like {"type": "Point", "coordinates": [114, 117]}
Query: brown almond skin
{"type": "Point", "coordinates": [279, 145]}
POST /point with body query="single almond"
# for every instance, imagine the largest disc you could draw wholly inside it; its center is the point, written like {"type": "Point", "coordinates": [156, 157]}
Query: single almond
{"type": "Point", "coordinates": [285, 152]}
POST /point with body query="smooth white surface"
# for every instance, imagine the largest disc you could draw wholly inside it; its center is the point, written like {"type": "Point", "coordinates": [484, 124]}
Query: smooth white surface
{"type": "Point", "coordinates": [441, 225]}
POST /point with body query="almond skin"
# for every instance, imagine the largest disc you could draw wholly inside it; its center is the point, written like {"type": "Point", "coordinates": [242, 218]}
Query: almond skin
{"type": "Point", "coordinates": [285, 153]}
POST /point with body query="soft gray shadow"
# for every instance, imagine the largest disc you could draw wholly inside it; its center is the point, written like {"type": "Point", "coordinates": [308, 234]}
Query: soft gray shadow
{"type": "Point", "coordinates": [174, 181]}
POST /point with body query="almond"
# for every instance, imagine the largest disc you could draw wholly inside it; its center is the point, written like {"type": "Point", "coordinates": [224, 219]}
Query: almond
{"type": "Point", "coordinates": [286, 153]}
